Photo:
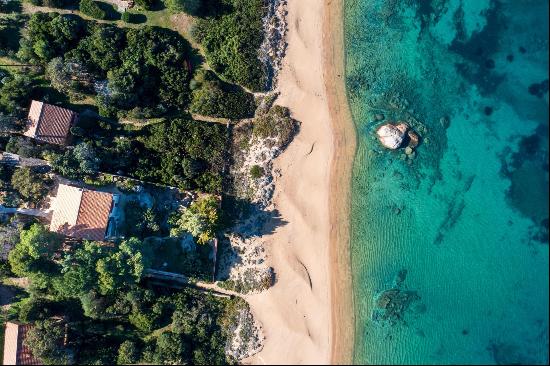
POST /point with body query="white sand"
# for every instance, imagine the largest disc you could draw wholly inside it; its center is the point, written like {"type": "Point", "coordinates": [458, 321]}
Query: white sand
{"type": "Point", "coordinates": [297, 313]}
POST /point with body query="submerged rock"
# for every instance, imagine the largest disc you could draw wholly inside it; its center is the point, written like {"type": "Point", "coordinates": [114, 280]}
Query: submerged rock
{"type": "Point", "coordinates": [392, 136]}
{"type": "Point", "coordinates": [393, 303]}
{"type": "Point", "coordinates": [445, 122]}
{"type": "Point", "coordinates": [414, 140]}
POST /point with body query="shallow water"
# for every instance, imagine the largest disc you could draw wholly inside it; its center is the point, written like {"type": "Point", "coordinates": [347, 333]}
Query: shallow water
{"type": "Point", "coordinates": [467, 217]}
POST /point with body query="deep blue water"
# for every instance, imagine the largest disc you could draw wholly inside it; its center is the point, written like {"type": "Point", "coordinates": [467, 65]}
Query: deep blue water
{"type": "Point", "coordinates": [455, 239]}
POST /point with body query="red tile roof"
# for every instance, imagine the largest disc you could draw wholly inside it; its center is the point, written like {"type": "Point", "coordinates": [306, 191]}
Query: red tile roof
{"type": "Point", "coordinates": [93, 216]}
{"type": "Point", "coordinates": [81, 213]}
{"type": "Point", "coordinates": [15, 350]}
{"type": "Point", "coordinates": [49, 123]}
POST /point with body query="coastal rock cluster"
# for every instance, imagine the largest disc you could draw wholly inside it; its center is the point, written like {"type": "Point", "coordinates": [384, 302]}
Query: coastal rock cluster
{"type": "Point", "coordinates": [255, 144]}
{"type": "Point", "coordinates": [252, 274]}
{"type": "Point", "coordinates": [273, 47]}
{"type": "Point", "coordinates": [396, 136]}
{"type": "Point", "coordinates": [392, 304]}
{"type": "Point", "coordinates": [392, 136]}
{"type": "Point", "coordinates": [247, 337]}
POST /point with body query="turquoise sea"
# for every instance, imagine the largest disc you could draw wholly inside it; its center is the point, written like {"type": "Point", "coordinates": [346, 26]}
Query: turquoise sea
{"type": "Point", "coordinates": [450, 246]}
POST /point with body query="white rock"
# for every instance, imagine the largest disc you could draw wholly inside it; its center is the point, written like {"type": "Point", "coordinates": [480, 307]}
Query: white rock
{"type": "Point", "coordinates": [392, 136]}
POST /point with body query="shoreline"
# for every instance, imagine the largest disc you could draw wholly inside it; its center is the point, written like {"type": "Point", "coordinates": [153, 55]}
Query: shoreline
{"type": "Point", "coordinates": [343, 316]}
{"type": "Point", "coordinates": [307, 316]}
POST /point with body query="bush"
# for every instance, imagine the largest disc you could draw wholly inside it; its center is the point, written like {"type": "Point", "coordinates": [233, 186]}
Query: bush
{"type": "Point", "coordinates": [126, 17]}
{"type": "Point", "coordinates": [201, 219]}
{"type": "Point", "coordinates": [256, 171]}
{"type": "Point", "coordinates": [92, 9]}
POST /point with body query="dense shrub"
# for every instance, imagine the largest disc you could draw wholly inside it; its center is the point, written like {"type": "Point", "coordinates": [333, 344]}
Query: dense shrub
{"type": "Point", "coordinates": [184, 153]}
{"type": "Point", "coordinates": [145, 68]}
{"type": "Point", "coordinates": [212, 97]}
{"type": "Point", "coordinates": [49, 35]}
{"type": "Point", "coordinates": [231, 42]}
{"type": "Point", "coordinates": [32, 186]}
{"type": "Point", "coordinates": [92, 9]}
{"type": "Point", "coordinates": [139, 220]}
{"type": "Point", "coordinates": [126, 17]}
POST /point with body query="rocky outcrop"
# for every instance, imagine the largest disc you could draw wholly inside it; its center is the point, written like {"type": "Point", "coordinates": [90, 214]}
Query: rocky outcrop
{"type": "Point", "coordinates": [392, 136]}
{"type": "Point", "coordinates": [414, 140]}
{"type": "Point", "coordinates": [273, 48]}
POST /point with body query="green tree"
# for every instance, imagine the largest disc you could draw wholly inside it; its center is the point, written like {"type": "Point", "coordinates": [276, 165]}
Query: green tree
{"type": "Point", "coordinates": [172, 350]}
{"type": "Point", "coordinates": [87, 158]}
{"type": "Point", "coordinates": [200, 219]}
{"type": "Point", "coordinates": [100, 50]}
{"type": "Point", "coordinates": [31, 186]}
{"type": "Point", "coordinates": [232, 40]}
{"type": "Point", "coordinates": [139, 220]}
{"type": "Point", "coordinates": [78, 270]}
{"type": "Point", "coordinates": [45, 340]}
{"type": "Point", "coordinates": [35, 308]}
{"type": "Point", "coordinates": [126, 17]}
{"type": "Point", "coordinates": [128, 353]}
{"type": "Point", "coordinates": [65, 164]}
{"type": "Point", "coordinates": [49, 35]}
{"type": "Point", "coordinates": [15, 94]}
{"type": "Point", "coordinates": [123, 266]}
{"type": "Point", "coordinates": [36, 244]}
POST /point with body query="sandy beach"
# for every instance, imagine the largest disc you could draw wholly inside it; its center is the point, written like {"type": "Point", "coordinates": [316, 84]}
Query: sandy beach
{"type": "Point", "coordinates": [307, 314]}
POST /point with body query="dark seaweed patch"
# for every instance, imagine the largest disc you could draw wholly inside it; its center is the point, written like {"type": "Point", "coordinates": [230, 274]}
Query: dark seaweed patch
{"type": "Point", "coordinates": [539, 89]}
{"type": "Point", "coordinates": [478, 68]}
{"type": "Point", "coordinates": [527, 171]}
{"type": "Point", "coordinates": [508, 354]}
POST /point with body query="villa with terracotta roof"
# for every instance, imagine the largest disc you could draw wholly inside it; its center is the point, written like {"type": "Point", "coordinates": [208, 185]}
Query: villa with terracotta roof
{"type": "Point", "coordinates": [49, 123]}
{"type": "Point", "coordinates": [84, 214]}
{"type": "Point", "coordinates": [15, 350]}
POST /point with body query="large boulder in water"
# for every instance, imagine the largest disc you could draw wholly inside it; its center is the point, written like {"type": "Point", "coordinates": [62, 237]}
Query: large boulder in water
{"type": "Point", "coordinates": [392, 136]}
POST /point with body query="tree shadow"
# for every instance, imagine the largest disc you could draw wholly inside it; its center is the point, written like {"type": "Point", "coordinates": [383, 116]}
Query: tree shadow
{"type": "Point", "coordinates": [213, 9]}
{"type": "Point", "coordinates": [13, 6]}
{"type": "Point", "coordinates": [137, 18]}
{"type": "Point", "coordinates": [9, 294]}
{"type": "Point", "coordinates": [248, 222]}
{"type": "Point", "coordinates": [110, 12]}
{"type": "Point", "coordinates": [10, 30]}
